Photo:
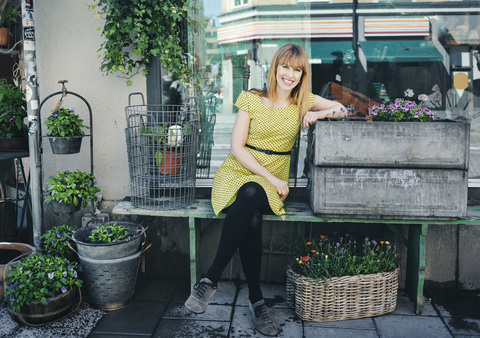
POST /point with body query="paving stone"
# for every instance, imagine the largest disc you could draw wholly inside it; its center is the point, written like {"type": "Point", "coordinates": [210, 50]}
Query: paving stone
{"type": "Point", "coordinates": [275, 295]}
{"type": "Point", "coordinates": [410, 326]}
{"type": "Point", "coordinates": [332, 332]}
{"type": "Point", "coordinates": [139, 317]}
{"type": "Point", "coordinates": [463, 326]}
{"type": "Point", "coordinates": [287, 322]}
{"type": "Point", "coordinates": [357, 324]}
{"type": "Point", "coordinates": [155, 290]}
{"type": "Point", "coordinates": [405, 307]}
{"type": "Point", "coordinates": [188, 328]}
{"type": "Point", "coordinates": [213, 312]}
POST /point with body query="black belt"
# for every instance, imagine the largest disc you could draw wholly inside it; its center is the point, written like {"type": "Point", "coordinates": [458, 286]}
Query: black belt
{"type": "Point", "coordinates": [268, 152]}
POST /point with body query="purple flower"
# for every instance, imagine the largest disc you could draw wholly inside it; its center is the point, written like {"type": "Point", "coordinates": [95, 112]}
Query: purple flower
{"type": "Point", "coordinates": [51, 241]}
{"type": "Point", "coordinates": [51, 275]}
{"type": "Point", "coordinates": [60, 126]}
{"type": "Point", "coordinates": [338, 244]}
{"type": "Point", "coordinates": [75, 274]}
{"type": "Point", "coordinates": [55, 114]}
{"type": "Point", "coordinates": [69, 268]}
{"type": "Point", "coordinates": [374, 242]}
{"type": "Point", "coordinates": [59, 235]}
{"type": "Point", "coordinates": [64, 273]}
{"type": "Point", "coordinates": [63, 289]}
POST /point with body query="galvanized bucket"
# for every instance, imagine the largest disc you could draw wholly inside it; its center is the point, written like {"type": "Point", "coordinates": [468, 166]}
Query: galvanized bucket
{"type": "Point", "coordinates": [118, 249]}
{"type": "Point", "coordinates": [110, 283]}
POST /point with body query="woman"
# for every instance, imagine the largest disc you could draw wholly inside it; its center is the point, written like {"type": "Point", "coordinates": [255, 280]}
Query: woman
{"type": "Point", "coordinates": [253, 179]}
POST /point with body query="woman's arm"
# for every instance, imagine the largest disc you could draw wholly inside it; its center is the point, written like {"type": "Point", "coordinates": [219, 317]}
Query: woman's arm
{"type": "Point", "coordinates": [323, 109]}
{"type": "Point", "coordinates": [243, 156]}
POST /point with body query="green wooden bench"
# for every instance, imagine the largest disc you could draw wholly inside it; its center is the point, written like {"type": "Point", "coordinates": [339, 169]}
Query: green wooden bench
{"type": "Point", "coordinates": [301, 212]}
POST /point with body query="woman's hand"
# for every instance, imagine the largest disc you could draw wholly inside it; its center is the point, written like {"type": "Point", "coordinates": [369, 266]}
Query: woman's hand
{"type": "Point", "coordinates": [280, 185]}
{"type": "Point", "coordinates": [335, 112]}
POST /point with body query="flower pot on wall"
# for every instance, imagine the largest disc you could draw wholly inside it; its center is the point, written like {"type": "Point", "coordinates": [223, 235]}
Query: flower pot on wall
{"type": "Point", "coordinates": [65, 145]}
{"type": "Point", "coordinates": [13, 144]}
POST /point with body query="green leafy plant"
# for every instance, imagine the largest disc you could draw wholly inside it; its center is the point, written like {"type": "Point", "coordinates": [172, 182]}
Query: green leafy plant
{"type": "Point", "coordinates": [65, 123]}
{"type": "Point", "coordinates": [108, 233]}
{"type": "Point", "coordinates": [323, 258]}
{"type": "Point", "coordinates": [158, 157]}
{"type": "Point", "coordinates": [154, 134]}
{"type": "Point", "coordinates": [13, 111]}
{"type": "Point", "coordinates": [71, 187]}
{"type": "Point", "coordinates": [137, 31]}
{"type": "Point", "coordinates": [57, 240]}
{"type": "Point", "coordinates": [39, 277]}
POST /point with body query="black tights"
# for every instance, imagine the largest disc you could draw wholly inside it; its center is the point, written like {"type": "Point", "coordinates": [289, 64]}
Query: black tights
{"type": "Point", "coordinates": [242, 229]}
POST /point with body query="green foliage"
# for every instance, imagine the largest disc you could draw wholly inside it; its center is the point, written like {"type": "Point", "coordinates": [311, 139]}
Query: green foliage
{"type": "Point", "coordinates": [154, 134]}
{"type": "Point", "coordinates": [323, 258]}
{"type": "Point", "coordinates": [158, 157]}
{"type": "Point", "coordinates": [138, 30]}
{"type": "Point", "coordinates": [39, 277]}
{"type": "Point", "coordinates": [401, 110]}
{"type": "Point", "coordinates": [56, 240]}
{"type": "Point", "coordinates": [107, 233]}
{"type": "Point", "coordinates": [64, 123]}
{"type": "Point", "coordinates": [13, 111]}
{"type": "Point", "coordinates": [71, 187]}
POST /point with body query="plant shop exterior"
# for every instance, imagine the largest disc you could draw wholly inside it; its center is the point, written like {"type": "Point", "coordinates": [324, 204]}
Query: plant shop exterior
{"type": "Point", "coordinates": [365, 47]}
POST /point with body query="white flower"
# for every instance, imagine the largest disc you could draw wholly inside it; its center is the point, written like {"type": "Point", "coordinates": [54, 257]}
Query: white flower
{"type": "Point", "coordinates": [423, 97]}
{"type": "Point", "coordinates": [174, 138]}
{"type": "Point", "coordinates": [408, 93]}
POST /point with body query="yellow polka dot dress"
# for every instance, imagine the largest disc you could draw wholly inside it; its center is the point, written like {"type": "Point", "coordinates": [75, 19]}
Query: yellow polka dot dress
{"type": "Point", "coordinates": [270, 129]}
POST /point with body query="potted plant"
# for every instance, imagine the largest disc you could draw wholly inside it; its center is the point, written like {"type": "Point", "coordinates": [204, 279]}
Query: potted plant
{"type": "Point", "coordinates": [71, 190]}
{"type": "Point", "coordinates": [13, 112]}
{"type": "Point", "coordinates": [397, 162]}
{"type": "Point", "coordinates": [57, 240]}
{"type": "Point", "coordinates": [355, 272]}
{"type": "Point", "coordinates": [110, 256]}
{"type": "Point", "coordinates": [41, 287]}
{"type": "Point", "coordinates": [65, 131]}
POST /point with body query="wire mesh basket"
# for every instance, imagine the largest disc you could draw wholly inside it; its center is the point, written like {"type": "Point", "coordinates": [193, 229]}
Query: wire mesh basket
{"type": "Point", "coordinates": [162, 142]}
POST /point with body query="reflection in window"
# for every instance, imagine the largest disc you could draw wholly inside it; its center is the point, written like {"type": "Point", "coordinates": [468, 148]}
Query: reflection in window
{"type": "Point", "coordinates": [373, 57]}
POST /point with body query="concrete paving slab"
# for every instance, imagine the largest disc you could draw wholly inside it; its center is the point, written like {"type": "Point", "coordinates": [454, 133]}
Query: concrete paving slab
{"type": "Point", "coordinates": [213, 312]}
{"type": "Point", "coordinates": [324, 332]}
{"type": "Point", "coordinates": [275, 295]}
{"type": "Point", "coordinates": [225, 294]}
{"type": "Point", "coordinates": [356, 324]}
{"type": "Point", "coordinates": [405, 307]}
{"type": "Point", "coordinates": [285, 319]}
{"type": "Point", "coordinates": [394, 326]}
{"type": "Point", "coordinates": [186, 328]}
{"type": "Point", "coordinates": [155, 290]}
{"type": "Point", "coordinates": [139, 317]}
{"type": "Point", "coordinates": [463, 326]}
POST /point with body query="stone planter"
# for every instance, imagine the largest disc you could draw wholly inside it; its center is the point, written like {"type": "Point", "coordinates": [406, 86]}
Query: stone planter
{"type": "Point", "coordinates": [390, 169]}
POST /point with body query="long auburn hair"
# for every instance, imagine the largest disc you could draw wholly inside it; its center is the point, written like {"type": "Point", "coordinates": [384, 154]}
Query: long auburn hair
{"type": "Point", "coordinates": [296, 57]}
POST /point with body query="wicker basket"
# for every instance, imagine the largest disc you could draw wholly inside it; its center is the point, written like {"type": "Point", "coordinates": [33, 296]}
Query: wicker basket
{"type": "Point", "coordinates": [342, 298]}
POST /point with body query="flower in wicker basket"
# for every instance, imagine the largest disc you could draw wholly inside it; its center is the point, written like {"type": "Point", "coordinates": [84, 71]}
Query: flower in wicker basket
{"type": "Point", "coordinates": [340, 278]}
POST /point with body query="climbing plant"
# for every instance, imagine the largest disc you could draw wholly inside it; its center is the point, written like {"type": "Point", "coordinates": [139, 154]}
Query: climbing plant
{"type": "Point", "coordinates": [136, 31]}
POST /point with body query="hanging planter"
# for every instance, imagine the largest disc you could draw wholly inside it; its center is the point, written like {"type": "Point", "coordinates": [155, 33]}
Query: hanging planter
{"type": "Point", "coordinates": [65, 145]}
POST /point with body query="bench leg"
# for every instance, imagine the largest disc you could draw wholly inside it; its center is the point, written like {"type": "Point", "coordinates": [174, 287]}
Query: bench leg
{"type": "Point", "coordinates": [416, 264]}
{"type": "Point", "coordinates": [194, 241]}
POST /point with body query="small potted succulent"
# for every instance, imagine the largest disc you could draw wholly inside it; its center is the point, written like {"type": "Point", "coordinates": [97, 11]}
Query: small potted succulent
{"type": "Point", "coordinates": [65, 131]}
{"type": "Point", "coordinates": [41, 287]}
{"type": "Point", "coordinates": [13, 112]}
{"type": "Point", "coordinates": [71, 190]}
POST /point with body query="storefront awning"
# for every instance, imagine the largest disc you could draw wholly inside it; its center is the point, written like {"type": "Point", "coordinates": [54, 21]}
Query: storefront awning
{"type": "Point", "coordinates": [400, 51]}
{"type": "Point", "coordinates": [331, 51]}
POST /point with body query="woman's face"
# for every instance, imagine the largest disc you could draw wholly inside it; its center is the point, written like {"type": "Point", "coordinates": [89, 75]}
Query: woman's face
{"type": "Point", "coordinates": [288, 77]}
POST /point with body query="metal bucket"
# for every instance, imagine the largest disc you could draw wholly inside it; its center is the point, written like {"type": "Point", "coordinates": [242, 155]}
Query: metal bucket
{"type": "Point", "coordinates": [109, 250]}
{"type": "Point", "coordinates": [110, 283]}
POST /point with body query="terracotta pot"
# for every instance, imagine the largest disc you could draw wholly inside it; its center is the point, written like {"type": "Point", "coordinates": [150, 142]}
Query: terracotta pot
{"type": "Point", "coordinates": [171, 163]}
{"type": "Point", "coordinates": [4, 34]}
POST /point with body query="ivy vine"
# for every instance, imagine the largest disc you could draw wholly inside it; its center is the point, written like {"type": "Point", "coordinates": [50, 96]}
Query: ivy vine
{"type": "Point", "coordinates": [136, 31]}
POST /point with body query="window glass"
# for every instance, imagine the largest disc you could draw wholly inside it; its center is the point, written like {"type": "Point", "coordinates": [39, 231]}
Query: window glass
{"type": "Point", "coordinates": [375, 51]}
